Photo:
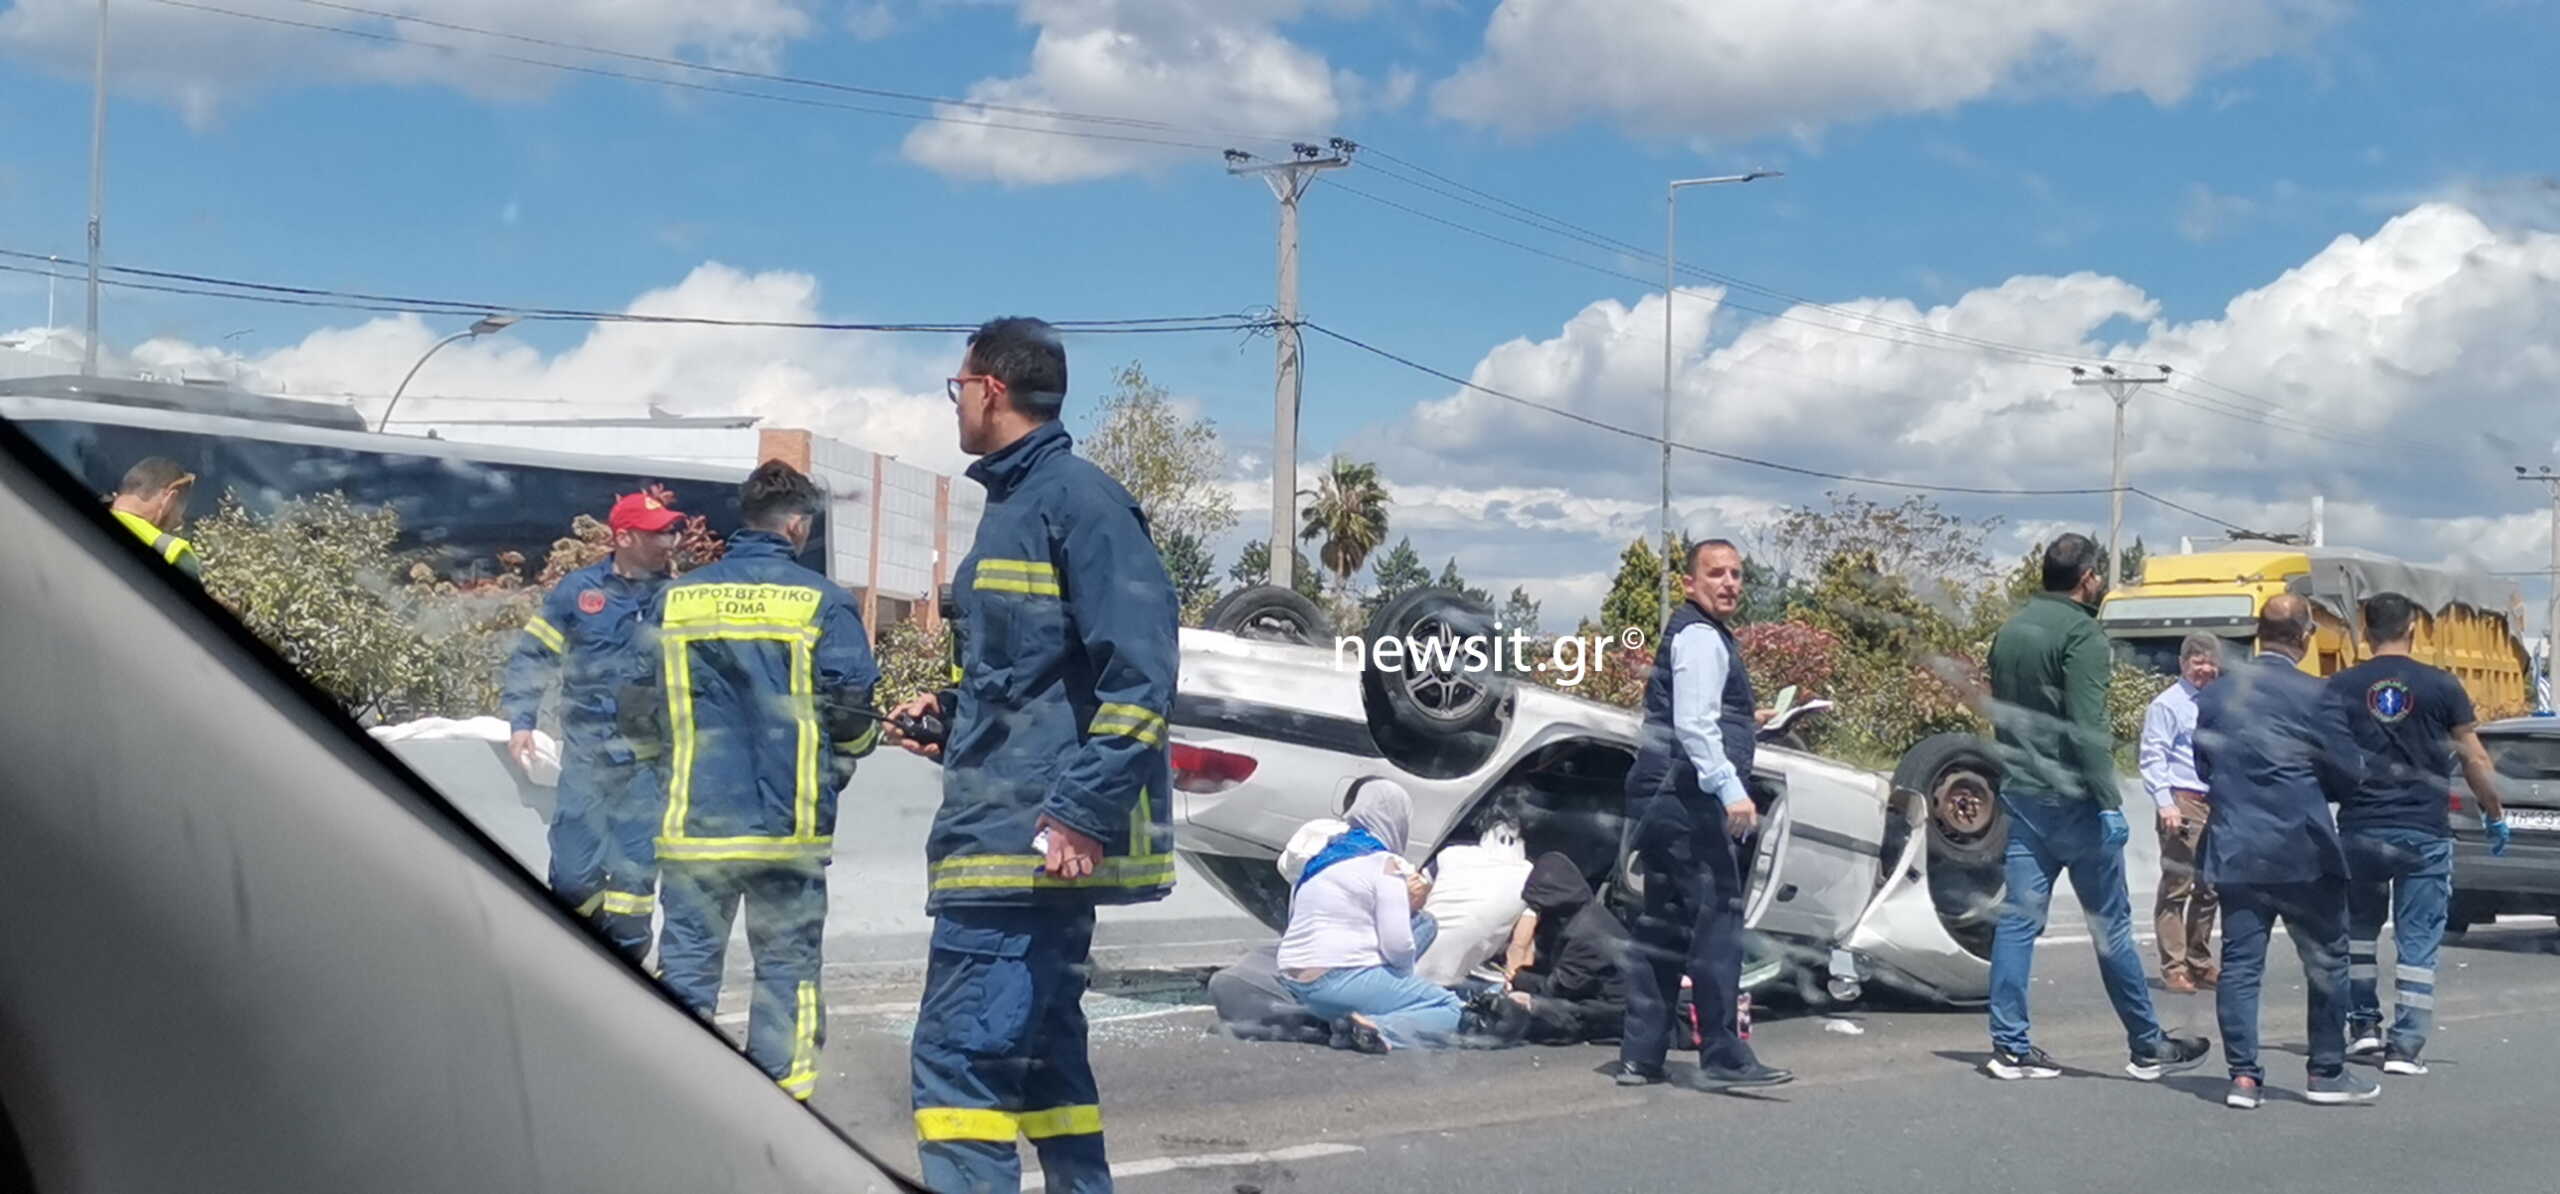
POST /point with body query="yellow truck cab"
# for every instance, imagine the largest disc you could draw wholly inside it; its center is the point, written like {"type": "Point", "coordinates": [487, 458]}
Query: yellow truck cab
{"type": "Point", "coordinates": [2471, 623]}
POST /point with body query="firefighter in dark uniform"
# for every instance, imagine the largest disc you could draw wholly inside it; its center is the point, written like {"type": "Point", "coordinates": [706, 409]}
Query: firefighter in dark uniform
{"type": "Point", "coordinates": [1688, 792]}
{"type": "Point", "coordinates": [1057, 783]}
{"type": "Point", "coordinates": [588, 637]}
{"type": "Point", "coordinates": [767, 680]}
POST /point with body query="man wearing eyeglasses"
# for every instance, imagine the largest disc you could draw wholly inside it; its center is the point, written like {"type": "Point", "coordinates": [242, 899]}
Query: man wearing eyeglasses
{"type": "Point", "coordinates": [1056, 783]}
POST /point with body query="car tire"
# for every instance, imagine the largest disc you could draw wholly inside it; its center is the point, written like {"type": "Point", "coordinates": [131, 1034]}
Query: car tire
{"type": "Point", "coordinates": [2466, 909]}
{"type": "Point", "coordinates": [1433, 703]}
{"type": "Point", "coordinates": [1272, 614]}
{"type": "Point", "coordinates": [1959, 776]}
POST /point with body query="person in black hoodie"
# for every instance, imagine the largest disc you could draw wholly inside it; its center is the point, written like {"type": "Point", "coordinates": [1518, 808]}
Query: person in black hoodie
{"type": "Point", "coordinates": [1564, 962]}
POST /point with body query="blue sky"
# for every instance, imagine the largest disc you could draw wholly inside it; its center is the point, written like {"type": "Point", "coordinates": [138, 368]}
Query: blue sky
{"type": "Point", "coordinates": [2193, 151]}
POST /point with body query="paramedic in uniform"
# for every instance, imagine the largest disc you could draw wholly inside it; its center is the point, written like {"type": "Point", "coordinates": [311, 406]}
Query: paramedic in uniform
{"type": "Point", "coordinates": [1056, 779]}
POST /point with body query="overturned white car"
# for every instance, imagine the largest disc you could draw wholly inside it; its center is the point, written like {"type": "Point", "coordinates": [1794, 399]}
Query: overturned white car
{"type": "Point", "coordinates": [1856, 878]}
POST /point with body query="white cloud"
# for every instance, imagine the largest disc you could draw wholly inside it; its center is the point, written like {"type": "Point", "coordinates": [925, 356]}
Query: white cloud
{"type": "Point", "coordinates": [870, 392]}
{"type": "Point", "coordinates": [2208, 213]}
{"type": "Point", "coordinates": [199, 61]}
{"type": "Point", "coordinates": [1214, 63]}
{"type": "Point", "coordinates": [2426, 344]}
{"type": "Point", "coordinates": [1741, 68]}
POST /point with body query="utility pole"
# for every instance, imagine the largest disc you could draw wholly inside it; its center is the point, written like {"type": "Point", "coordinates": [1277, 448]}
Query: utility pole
{"type": "Point", "coordinates": [2119, 386]}
{"type": "Point", "coordinates": [97, 185]}
{"type": "Point", "coordinates": [1289, 182]}
{"type": "Point", "coordinates": [2551, 615]}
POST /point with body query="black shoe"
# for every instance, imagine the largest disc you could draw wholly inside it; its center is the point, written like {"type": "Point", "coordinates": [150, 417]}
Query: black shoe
{"type": "Point", "coordinates": [1754, 1074]}
{"type": "Point", "coordinates": [2347, 1086]}
{"type": "Point", "coordinates": [1360, 1037]}
{"type": "Point", "coordinates": [1633, 1075]}
{"type": "Point", "coordinates": [2010, 1067]}
{"type": "Point", "coordinates": [2170, 1056]}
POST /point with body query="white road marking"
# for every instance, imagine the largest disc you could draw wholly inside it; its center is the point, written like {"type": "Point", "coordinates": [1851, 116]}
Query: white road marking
{"type": "Point", "coordinates": [1033, 1179]}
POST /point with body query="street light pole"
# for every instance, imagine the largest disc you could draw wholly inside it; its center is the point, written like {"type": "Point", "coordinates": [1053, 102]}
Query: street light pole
{"type": "Point", "coordinates": [485, 325]}
{"type": "Point", "coordinates": [2551, 614]}
{"type": "Point", "coordinates": [1670, 287]}
{"type": "Point", "coordinates": [97, 186]}
{"type": "Point", "coordinates": [2120, 387]}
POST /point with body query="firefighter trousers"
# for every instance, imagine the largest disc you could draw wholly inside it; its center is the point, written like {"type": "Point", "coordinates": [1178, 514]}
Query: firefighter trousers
{"type": "Point", "coordinates": [1000, 1052]}
{"type": "Point", "coordinates": [604, 846]}
{"type": "Point", "coordinates": [786, 910]}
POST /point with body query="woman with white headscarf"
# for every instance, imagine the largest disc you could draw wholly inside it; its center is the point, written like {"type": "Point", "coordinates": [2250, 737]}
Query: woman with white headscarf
{"type": "Point", "coordinates": [1354, 934]}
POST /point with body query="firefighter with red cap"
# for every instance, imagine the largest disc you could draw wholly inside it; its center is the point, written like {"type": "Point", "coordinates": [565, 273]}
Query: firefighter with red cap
{"type": "Point", "coordinates": [589, 636]}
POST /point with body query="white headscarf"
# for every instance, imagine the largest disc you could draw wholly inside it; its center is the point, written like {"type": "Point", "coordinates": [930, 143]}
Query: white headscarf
{"type": "Point", "coordinates": [1382, 806]}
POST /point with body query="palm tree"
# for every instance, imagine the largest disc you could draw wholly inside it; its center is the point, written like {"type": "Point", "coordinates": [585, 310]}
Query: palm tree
{"type": "Point", "coordinates": [1349, 514]}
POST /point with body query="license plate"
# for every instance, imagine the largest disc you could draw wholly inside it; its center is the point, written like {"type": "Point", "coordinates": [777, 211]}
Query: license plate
{"type": "Point", "coordinates": [2533, 818]}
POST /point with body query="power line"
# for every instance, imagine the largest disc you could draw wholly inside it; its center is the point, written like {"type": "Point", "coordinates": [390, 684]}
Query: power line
{"type": "Point", "coordinates": [628, 76]}
{"type": "Point", "coordinates": [207, 286]}
{"type": "Point", "coordinates": [1540, 220]}
{"type": "Point", "coordinates": [1650, 438]}
{"type": "Point", "coordinates": [741, 73]}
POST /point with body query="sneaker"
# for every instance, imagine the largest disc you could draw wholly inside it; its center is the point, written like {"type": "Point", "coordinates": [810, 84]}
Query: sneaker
{"type": "Point", "coordinates": [2009, 1067]}
{"type": "Point", "coordinates": [2367, 1042]}
{"type": "Point", "coordinates": [1630, 1075]}
{"type": "Point", "coordinates": [2244, 1094]}
{"type": "Point", "coordinates": [2396, 1060]}
{"type": "Point", "coordinates": [1754, 1074]}
{"type": "Point", "coordinates": [2173, 1055]}
{"type": "Point", "coordinates": [2345, 1086]}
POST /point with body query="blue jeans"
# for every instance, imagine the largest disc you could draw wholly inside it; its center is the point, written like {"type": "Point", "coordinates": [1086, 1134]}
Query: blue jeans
{"type": "Point", "coordinates": [2407, 875]}
{"type": "Point", "coordinates": [2315, 913]}
{"type": "Point", "coordinates": [1411, 1012]}
{"type": "Point", "coordinates": [2048, 836]}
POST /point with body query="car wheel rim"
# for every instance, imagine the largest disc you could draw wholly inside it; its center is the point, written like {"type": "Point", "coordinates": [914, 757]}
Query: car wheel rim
{"type": "Point", "coordinates": [1964, 806]}
{"type": "Point", "coordinates": [1442, 688]}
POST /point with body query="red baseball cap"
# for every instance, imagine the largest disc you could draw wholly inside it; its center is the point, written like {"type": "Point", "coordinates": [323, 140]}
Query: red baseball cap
{"type": "Point", "coordinates": [643, 513]}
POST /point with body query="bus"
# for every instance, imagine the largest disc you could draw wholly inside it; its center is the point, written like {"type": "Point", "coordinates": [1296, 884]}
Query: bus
{"type": "Point", "coordinates": [2471, 624]}
{"type": "Point", "coordinates": [460, 505]}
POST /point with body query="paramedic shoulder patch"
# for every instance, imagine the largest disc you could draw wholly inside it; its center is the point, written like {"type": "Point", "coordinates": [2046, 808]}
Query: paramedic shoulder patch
{"type": "Point", "coordinates": [741, 605]}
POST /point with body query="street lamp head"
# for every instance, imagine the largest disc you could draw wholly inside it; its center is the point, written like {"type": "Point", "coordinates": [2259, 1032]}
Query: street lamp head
{"type": "Point", "coordinates": [1757, 175]}
{"type": "Point", "coordinates": [492, 323]}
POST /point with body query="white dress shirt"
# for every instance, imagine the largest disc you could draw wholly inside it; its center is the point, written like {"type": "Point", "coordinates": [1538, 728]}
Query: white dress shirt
{"type": "Point", "coordinates": [2168, 755]}
{"type": "Point", "coordinates": [1698, 666]}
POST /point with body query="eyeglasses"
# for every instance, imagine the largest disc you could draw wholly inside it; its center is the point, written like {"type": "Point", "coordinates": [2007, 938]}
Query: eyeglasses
{"type": "Point", "coordinates": [952, 385]}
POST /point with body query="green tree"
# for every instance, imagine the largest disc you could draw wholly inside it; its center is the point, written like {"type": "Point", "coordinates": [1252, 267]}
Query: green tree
{"type": "Point", "coordinates": [912, 660]}
{"type": "Point", "coordinates": [1193, 570]}
{"type": "Point", "coordinates": [1398, 570]}
{"type": "Point", "coordinates": [1450, 579]}
{"type": "Point", "coordinates": [1253, 567]}
{"type": "Point", "coordinates": [1346, 517]}
{"type": "Point", "coordinates": [1635, 597]}
{"type": "Point", "coordinates": [1168, 462]}
{"type": "Point", "coordinates": [2129, 562]}
{"type": "Point", "coordinates": [1767, 595]}
{"type": "Point", "coordinates": [1915, 540]}
{"type": "Point", "coordinates": [1520, 613]}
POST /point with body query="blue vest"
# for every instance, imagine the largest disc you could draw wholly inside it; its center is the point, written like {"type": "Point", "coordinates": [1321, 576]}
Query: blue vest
{"type": "Point", "coordinates": [1663, 781]}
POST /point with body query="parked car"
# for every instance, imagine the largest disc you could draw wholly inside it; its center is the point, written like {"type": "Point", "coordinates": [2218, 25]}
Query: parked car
{"type": "Point", "coordinates": [1856, 877]}
{"type": "Point", "coordinates": [2526, 753]}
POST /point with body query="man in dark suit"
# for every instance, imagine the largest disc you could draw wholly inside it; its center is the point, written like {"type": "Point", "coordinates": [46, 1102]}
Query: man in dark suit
{"type": "Point", "coordinates": [2275, 752]}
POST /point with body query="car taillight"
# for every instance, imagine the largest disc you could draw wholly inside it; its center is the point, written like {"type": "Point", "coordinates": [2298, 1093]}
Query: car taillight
{"type": "Point", "coordinates": [1199, 769]}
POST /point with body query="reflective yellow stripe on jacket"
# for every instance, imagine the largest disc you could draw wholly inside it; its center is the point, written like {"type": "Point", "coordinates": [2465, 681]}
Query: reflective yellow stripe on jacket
{"type": "Point", "coordinates": [167, 546]}
{"type": "Point", "coordinates": [1037, 578]}
{"type": "Point", "coordinates": [979, 871]}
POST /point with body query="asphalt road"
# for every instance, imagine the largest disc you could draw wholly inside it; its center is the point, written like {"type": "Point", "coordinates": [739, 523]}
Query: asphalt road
{"type": "Point", "coordinates": [1899, 1105]}
{"type": "Point", "coordinates": [1888, 1096]}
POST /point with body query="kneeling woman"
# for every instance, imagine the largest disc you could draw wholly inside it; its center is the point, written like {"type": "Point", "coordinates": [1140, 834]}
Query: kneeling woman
{"type": "Point", "coordinates": [1355, 929]}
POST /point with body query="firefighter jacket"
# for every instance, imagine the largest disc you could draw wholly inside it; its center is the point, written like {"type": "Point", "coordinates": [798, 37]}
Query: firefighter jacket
{"type": "Point", "coordinates": [1066, 652]}
{"type": "Point", "coordinates": [588, 634]}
